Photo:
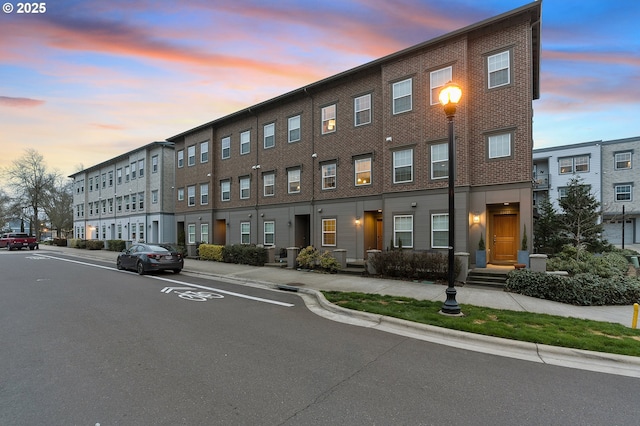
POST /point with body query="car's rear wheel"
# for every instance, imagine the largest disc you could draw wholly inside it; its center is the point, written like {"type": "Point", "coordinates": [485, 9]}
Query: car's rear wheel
{"type": "Point", "coordinates": [140, 268]}
{"type": "Point", "coordinates": [119, 264]}
{"type": "Point", "coordinates": [177, 271]}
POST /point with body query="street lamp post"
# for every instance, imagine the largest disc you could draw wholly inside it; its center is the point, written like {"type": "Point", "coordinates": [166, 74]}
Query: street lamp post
{"type": "Point", "coordinates": [449, 97]}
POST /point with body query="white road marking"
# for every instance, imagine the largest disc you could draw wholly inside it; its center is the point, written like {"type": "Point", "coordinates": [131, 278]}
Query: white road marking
{"type": "Point", "coordinates": [230, 293]}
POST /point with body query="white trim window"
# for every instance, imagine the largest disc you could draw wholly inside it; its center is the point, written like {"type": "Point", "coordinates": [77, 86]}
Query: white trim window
{"type": "Point", "coordinates": [204, 194]}
{"type": "Point", "coordinates": [204, 152]}
{"type": "Point", "coordinates": [154, 164]}
{"type": "Point", "coordinates": [245, 188]}
{"type": "Point", "coordinates": [440, 161]}
{"type": "Point", "coordinates": [180, 156]}
{"type": "Point", "coordinates": [293, 132]}
{"type": "Point", "coordinates": [225, 145]}
{"type": "Point", "coordinates": [440, 230]}
{"type": "Point", "coordinates": [133, 172]}
{"type": "Point", "coordinates": [180, 194]}
{"type": "Point", "coordinates": [329, 119]}
{"type": "Point", "coordinates": [362, 110]}
{"type": "Point", "coordinates": [403, 231]}
{"type": "Point", "coordinates": [499, 145]}
{"type": "Point", "coordinates": [403, 166]}
{"type": "Point", "coordinates": [402, 96]}
{"type": "Point", "coordinates": [269, 233]}
{"type": "Point", "coordinates": [329, 176]}
{"type": "Point", "coordinates": [140, 168]}
{"type": "Point", "coordinates": [269, 135]}
{"type": "Point", "coordinates": [245, 142]}
{"type": "Point", "coordinates": [245, 232]}
{"type": "Point", "coordinates": [191, 232]}
{"type": "Point", "coordinates": [191, 195]}
{"type": "Point", "coordinates": [154, 197]}
{"type": "Point", "coordinates": [293, 180]}
{"type": "Point", "coordinates": [329, 232]}
{"type": "Point", "coordinates": [578, 164]}
{"type": "Point", "coordinates": [204, 233]}
{"type": "Point", "coordinates": [438, 79]}
{"type": "Point", "coordinates": [362, 168]}
{"type": "Point", "coordinates": [623, 192]}
{"type": "Point", "coordinates": [622, 160]}
{"type": "Point", "coordinates": [269, 184]}
{"type": "Point", "coordinates": [225, 190]}
{"type": "Point", "coordinates": [499, 69]}
{"type": "Point", "coordinates": [191, 155]}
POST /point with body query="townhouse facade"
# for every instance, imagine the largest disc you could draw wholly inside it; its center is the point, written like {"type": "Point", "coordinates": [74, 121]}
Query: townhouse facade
{"type": "Point", "coordinates": [608, 168]}
{"type": "Point", "coordinates": [359, 160]}
{"type": "Point", "coordinates": [129, 197]}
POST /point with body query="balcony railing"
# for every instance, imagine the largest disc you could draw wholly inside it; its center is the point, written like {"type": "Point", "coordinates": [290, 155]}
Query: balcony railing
{"type": "Point", "coordinates": [541, 183]}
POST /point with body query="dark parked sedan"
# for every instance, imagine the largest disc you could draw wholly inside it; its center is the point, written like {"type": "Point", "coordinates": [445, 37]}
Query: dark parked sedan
{"type": "Point", "coordinates": [150, 257]}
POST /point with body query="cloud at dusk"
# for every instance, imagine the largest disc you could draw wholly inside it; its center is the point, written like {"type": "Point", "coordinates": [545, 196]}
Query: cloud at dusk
{"type": "Point", "coordinates": [93, 79]}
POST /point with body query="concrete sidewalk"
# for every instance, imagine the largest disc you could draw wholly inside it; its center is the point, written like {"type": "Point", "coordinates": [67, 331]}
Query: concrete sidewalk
{"type": "Point", "coordinates": [308, 285]}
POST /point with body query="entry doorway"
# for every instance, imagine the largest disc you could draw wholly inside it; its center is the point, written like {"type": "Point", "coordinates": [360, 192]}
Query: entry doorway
{"type": "Point", "coordinates": [503, 234]}
{"type": "Point", "coordinates": [373, 230]}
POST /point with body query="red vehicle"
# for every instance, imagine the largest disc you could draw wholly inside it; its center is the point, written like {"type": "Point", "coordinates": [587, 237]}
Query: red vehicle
{"type": "Point", "coordinates": [18, 240]}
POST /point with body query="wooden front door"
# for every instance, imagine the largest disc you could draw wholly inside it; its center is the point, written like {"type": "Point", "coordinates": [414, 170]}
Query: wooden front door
{"type": "Point", "coordinates": [379, 234]}
{"type": "Point", "coordinates": [505, 238]}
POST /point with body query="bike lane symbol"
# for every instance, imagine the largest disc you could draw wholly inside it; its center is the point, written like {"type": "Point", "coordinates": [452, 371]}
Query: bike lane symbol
{"type": "Point", "coordinates": [188, 293]}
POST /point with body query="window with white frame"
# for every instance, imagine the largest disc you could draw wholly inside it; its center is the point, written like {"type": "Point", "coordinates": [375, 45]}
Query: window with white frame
{"type": "Point", "coordinates": [245, 188]}
{"type": "Point", "coordinates": [329, 119]}
{"type": "Point", "coordinates": [402, 96]}
{"type": "Point", "coordinates": [180, 194]}
{"type": "Point", "coordinates": [293, 179]}
{"type": "Point", "coordinates": [90, 184]}
{"type": "Point", "coordinates": [225, 190]}
{"type": "Point", "coordinates": [362, 110]}
{"type": "Point", "coordinates": [329, 176]}
{"type": "Point", "coordinates": [134, 200]}
{"type": "Point", "coordinates": [438, 79]}
{"type": "Point", "coordinates": [225, 143]}
{"type": "Point", "coordinates": [622, 160]}
{"type": "Point", "coordinates": [623, 192]}
{"type": "Point", "coordinates": [141, 200]}
{"type": "Point", "coordinates": [269, 184]}
{"type": "Point", "coordinates": [133, 170]}
{"type": "Point", "coordinates": [191, 155]}
{"type": "Point", "coordinates": [562, 192]}
{"type": "Point", "coordinates": [154, 196]}
{"type": "Point", "coordinates": [110, 178]}
{"type": "Point", "coordinates": [154, 164]}
{"type": "Point", "coordinates": [440, 230]}
{"type": "Point", "coordinates": [269, 135]}
{"type": "Point", "coordinates": [204, 233]}
{"type": "Point", "coordinates": [191, 195]}
{"type": "Point", "coordinates": [403, 231]}
{"type": "Point", "coordinates": [204, 194]}
{"type": "Point", "coordinates": [140, 168]}
{"type": "Point", "coordinates": [119, 176]}
{"type": "Point", "coordinates": [127, 173]}
{"type": "Point", "coordinates": [439, 161]}
{"type": "Point", "coordinates": [191, 232]}
{"type": "Point", "coordinates": [245, 142]}
{"type": "Point", "coordinates": [294, 129]}
{"type": "Point", "coordinates": [499, 69]}
{"type": "Point", "coordinates": [269, 233]}
{"type": "Point", "coordinates": [245, 233]}
{"type": "Point", "coordinates": [499, 145]}
{"type": "Point", "coordinates": [403, 166]}
{"type": "Point", "coordinates": [127, 206]}
{"type": "Point", "coordinates": [362, 168]}
{"type": "Point", "coordinates": [180, 155]}
{"type": "Point", "coordinates": [577, 164]}
{"type": "Point", "coordinates": [329, 230]}
{"type": "Point", "coordinates": [204, 152]}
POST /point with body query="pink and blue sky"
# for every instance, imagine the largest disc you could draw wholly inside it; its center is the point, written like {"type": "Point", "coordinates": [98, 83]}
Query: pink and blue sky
{"type": "Point", "coordinates": [88, 80]}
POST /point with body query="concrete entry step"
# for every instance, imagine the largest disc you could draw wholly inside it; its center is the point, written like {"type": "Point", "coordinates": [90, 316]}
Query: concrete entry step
{"type": "Point", "coordinates": [488, 277]}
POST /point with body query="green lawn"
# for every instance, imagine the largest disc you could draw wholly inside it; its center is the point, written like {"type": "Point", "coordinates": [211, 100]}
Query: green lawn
{"type": "Point", "coordinates": [525, 326]}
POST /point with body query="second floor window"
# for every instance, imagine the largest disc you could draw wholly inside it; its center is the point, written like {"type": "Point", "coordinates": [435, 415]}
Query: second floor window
{"type": "Point", "coordinates": [226, 147]}
{"type": "Point", "coordinates": [180, 194]}
{"type": "Point", "coordinates": [578, 164]}
{"type": "Point", "coordinates": [180, 155]}
{"type": "Point", "coordinates": [225, 190]}
{"type": "Point", "coordinates": [623, 192]}
{"type": "Point", "coordinates": [293, 178]}
{"type": "Point", "coordinates": [191, 195]}
{"type": "Point", "coordinates": [329, 176]}
{"type": "Point", "coordinates": [500, 145]}
{"type": "Point", "coordinates": [403, 166]}
{"type": "Point", "coordinates": [204, 194]}
{"type": "Point", "coordinates": [363, 171]}
{"type": "Point", "coordinates": [439, 161]}
{"type": "Point", "coordinates": [294, 129]}
{"type": "Point", "coordinates": [362, 110]}
{"type": "Point", "coordinates": [623, 160]}
{"type": "Point", "coordinates": [245, 142]}
{"type": "Point", "coordinates": [191, 155]}
{"type": "Point", "coordinates": [245, 188]}
{"type": "Point", "coordinates": [269, 182]}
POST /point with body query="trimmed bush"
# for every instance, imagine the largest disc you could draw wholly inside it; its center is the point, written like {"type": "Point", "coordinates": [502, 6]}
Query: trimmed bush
{"type": "Point", "coordinates": [244, 254]}
{"type": "Point", "coordinates": [94, 244]}
{"type": "Point", "coordinates": [413, 265]}
{"type": "Point", "coordinates": [60, 242]}
{"type": "Point", "coordinates": [582, 289]}
{"type": "Point", "coordinates": [308, 258]}
{"type": "Point", "coordinates": [609, 265]}
{"type": "Point", "coordinates": [211, 252]}
{"type": "Point", "coordinates": [116, 245]}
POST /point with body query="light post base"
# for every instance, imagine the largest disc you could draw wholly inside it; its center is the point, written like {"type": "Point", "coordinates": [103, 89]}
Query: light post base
{"type": "Point", "coordinates": [450, 306]}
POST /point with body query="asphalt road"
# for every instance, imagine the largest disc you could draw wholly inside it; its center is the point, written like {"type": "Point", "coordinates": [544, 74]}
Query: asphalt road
{"type": "Point", "coordinates": [84, 344]}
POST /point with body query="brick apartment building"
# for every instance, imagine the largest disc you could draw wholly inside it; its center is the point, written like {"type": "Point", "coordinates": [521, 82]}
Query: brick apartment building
{"type": "Point", "coordinates": [128, 197]}
{"type": "Point", "coordinates": [358, 161]}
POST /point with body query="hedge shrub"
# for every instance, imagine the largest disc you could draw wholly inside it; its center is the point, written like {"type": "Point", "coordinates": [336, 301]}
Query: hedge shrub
{"type": "Point", "coordinates": [608, 265]}
{"type": "Point", "coordinates": [413, 265]}
{"type": "Point", "coordinates": [94, 244]}
{"type": "Point", "coordinates": [116, 245]}
{"type": "Point", "coordinates": [311, 258]}
{"type": "Point", "coordinates": [244, 254]}
{"type": "Point", "coordinates": [210, 252]}
{"type": "Point", "coordinates": [583, 289]}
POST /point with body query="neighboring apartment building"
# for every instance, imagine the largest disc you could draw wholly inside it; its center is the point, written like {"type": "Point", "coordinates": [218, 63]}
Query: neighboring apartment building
{"type": "Point", "coordinates": [359, 160]}
{"type": "Point", "coordinates": [607, 167]}
{"type": "Point", "coordinates": [129, 197]}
